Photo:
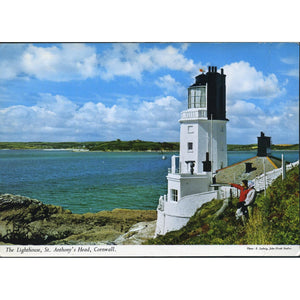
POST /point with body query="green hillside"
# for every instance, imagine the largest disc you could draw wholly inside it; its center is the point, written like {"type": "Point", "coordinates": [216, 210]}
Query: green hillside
{"type": "Point", "coordinates": [275, 220]}
{"type": "Point", "coordinates": [118, 145]}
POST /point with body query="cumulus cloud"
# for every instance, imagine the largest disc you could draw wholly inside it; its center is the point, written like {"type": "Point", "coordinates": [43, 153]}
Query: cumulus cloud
{"type": "Point", "coordinates": [65, 62]}
{"type": "Point", "coordinates": [10, 59]}
{"type": "Point", "coordinates": [170, 85]}
{"type": "Point", "coordinates": [247, 120]}
{"type": "Point", "coordinates": [245, 82]}
{"type": "Point", "coordinates": [56, 63]}
{"type": "Point", "coordinates": [249, 117]}
{"type": "Point", "coordinates": [129, 60]}
{"type": "Point", "coordinates": [56, 118]}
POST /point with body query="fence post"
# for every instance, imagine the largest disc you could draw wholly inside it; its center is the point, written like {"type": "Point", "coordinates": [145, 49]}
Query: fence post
{"type": "Point", "coordinates": [283, 166]}
{"type": "Point", "coordinates": [265, 183]}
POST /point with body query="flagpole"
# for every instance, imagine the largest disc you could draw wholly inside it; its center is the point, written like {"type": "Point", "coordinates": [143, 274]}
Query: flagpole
{"type": "Point", "coordinates": [211, 141]}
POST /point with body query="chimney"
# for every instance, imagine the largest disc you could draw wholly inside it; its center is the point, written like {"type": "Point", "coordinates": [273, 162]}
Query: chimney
{"type": "Point", "coordinates": [248, 167]}
{"type": "Point", "coordinates": [222, 71]}
{"type": "Point", "coordinates": [209, 69]}
{"type": "Point", "coordinates": [263, 145]}
{"type": "Point", "coordinates": [207, 164]}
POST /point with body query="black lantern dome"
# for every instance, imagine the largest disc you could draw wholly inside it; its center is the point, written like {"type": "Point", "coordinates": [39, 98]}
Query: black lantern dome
{"type": "Point", "coordinates": [209, 92]}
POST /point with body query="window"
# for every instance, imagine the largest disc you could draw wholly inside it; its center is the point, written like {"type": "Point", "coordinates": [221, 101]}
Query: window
{"type": "Point", "coordinates": [190, 146]}
{"type": "Point", "coordinates": [174, 194]}
{"type": "Point", "coordinates": [197, 97]}
{"type": "Point", "coordinates": [190, 129]}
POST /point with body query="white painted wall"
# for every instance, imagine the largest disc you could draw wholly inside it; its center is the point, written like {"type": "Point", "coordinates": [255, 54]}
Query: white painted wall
{"type": "Point", "coordinates": [176, 214]}
{"type": "Point", "coordinates": [219, 145]}
{"type": "Point", "coordinates": [187, 184]}
{"type": "Point", "coordinates": [193, 190]}
{"type": "Point", "coordinates": [199, 132]}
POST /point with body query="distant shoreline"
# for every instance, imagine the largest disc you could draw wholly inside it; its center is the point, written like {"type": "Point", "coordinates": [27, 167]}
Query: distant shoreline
{"type": "Point", "coordinates": [130, 151]}
{"type": "Point", "coordinates": [124, 146]}
{"type": "Point", "coordinates": [133, 151]}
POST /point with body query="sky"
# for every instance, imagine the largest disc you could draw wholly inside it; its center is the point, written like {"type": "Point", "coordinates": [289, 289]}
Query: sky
{"type": "Point", "coordinates": [106, 91]}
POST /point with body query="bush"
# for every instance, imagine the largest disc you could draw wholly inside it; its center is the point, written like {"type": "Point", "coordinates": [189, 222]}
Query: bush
{"type": "Point", "coordinates": [280, 210]}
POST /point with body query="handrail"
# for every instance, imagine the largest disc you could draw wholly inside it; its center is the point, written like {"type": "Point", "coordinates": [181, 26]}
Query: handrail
{"type": "Point", "coordinates": [194, 114]}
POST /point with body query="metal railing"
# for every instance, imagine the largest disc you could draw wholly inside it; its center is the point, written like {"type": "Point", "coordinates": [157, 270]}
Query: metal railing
{"type": "Point", "coordinates": [264, 180]}
{"type": "Point", "coordinates": [194, 114]}
{"type": "Point", "coordinates": [260, 183]}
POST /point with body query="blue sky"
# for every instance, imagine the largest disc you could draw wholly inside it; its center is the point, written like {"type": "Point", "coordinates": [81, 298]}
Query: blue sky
{"type": "Point", "coordinates": [106, 91]}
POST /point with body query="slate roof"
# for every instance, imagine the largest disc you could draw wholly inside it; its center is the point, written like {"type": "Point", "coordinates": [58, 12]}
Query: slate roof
{"type": "Point", "coordinates": [237, 172]}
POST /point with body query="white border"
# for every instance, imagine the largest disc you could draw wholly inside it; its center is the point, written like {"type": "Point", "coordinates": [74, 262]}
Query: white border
{"type": "Point", "coordinates": [149, 251]}
{"type": "Point", "coordinates": [155, 21]}
{"type": "Point", "coordinates": [94, 21]}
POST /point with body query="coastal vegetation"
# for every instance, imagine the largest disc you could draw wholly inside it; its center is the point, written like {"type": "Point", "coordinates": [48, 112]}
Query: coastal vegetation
{"type": "Point", "coordinates": [274, 221]}
{"type": "Point", "coordinates": [118, 145]}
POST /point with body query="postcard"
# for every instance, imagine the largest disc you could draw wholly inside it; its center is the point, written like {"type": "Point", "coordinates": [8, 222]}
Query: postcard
{"type": "Point", "coordinates": [149, 149]}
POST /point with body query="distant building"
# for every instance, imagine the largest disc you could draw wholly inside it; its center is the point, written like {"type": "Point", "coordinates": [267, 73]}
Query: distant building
{"type": "Point", "coordinates": [264, 145]}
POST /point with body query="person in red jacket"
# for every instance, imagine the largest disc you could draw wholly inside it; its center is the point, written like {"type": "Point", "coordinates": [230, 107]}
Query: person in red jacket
{"type": "Point", "coordinates": [241, 208]}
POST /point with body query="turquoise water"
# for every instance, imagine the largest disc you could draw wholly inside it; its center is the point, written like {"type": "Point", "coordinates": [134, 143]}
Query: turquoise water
{"type": "Point", "coordinates": [94, 181]}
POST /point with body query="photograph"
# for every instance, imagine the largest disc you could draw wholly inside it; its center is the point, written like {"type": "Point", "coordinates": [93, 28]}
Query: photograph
{"type": "Point", "coordinates": [149, 149]}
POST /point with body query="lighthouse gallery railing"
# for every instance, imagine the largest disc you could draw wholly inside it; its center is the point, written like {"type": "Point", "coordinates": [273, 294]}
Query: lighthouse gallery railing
{"type": "Point", "coordinates": [194, 114]}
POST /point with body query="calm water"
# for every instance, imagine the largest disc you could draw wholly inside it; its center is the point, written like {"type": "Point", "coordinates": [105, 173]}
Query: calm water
{"type": "Point", "coordinates": [94, 181]}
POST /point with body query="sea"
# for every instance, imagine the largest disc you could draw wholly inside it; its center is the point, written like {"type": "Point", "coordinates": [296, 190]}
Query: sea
{"type": "Point", "coordinates": [86, 182]}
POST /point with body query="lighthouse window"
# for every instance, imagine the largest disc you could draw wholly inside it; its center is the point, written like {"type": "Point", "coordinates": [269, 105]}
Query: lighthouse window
{"type": "Point", "coordinates": [197, 97]}
{"type": "Point", "coordinates": [174, 194]}
{"type": "Point", "coordinates": [190, 146]}
{"type": "Point", "coordinates": [190, 129]}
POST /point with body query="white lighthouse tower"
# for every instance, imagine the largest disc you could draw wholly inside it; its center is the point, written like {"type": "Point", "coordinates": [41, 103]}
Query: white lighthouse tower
{"type": "Point", "coordinates": [203, 150]}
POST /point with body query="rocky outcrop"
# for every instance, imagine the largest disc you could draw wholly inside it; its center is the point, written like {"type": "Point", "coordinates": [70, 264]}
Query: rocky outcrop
{"type": "Point", "coordinates": [137, 234]}
{"type": "Point", "coordinates": [29, 221]}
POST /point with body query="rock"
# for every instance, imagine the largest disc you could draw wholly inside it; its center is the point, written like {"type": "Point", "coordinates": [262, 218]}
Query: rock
{"type": "Point", "coordinates": [137, 234]}
{"type": "Point", "coordinates": [8, 201]}
{"type": "Point", "coordinates": [226, 203]}
{"type": "Point", "coordinates": [29, 221]}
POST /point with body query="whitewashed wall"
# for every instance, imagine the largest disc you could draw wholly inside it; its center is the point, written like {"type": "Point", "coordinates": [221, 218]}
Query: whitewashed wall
{"type": "Point", "coordinates": [176, 214]}
{"type": "Point", "coordinates": [199, 132]}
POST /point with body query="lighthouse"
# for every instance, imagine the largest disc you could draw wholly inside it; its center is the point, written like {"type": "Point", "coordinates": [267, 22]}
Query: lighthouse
{"type": "Point", "coordinates": [203, 150]}
{"type": "Point", "coordinates": [203, 124]}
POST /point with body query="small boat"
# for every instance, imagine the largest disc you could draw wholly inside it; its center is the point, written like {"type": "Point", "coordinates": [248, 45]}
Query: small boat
{"type": "Point", "coordinates": [163, 157]}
